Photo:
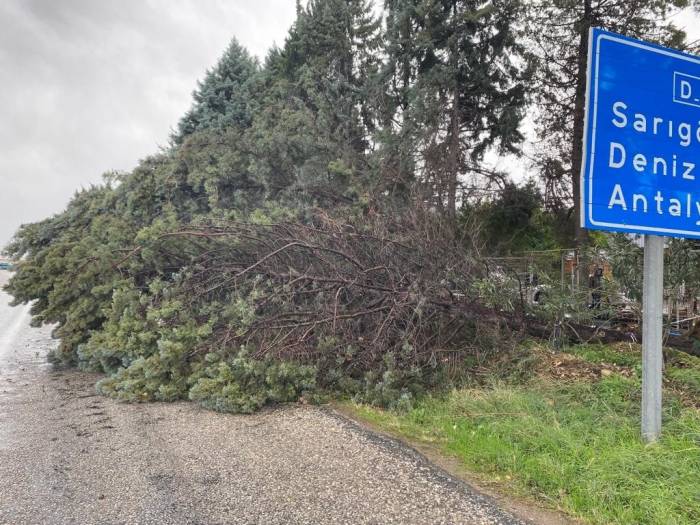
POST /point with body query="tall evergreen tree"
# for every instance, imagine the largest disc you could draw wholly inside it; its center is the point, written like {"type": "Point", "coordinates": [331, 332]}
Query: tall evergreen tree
{"type": "Point", "coordinates": [397, 77]}
{"type": "Point", "coordinates": [456, 85]}
{"type": "Point", "coordinates": [312, 133]}
{"type": "Point", "coordinates": [224, 98]}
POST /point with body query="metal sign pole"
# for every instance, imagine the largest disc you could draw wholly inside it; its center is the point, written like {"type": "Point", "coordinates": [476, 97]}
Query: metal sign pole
{"type": "Point", "coordinates": [652, 334]}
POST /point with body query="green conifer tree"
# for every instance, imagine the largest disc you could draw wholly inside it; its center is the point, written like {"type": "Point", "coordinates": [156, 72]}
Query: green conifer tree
{"type": "Point", "coordinates": [312, 133]}
{"type": "Point", "coordinates": [456, 83]}
{"type": "Point", "coordinates": [224, 98]}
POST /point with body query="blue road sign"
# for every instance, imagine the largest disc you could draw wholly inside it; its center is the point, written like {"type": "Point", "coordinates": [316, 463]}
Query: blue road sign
{"type": "Point", "coordinates": [641, 158]}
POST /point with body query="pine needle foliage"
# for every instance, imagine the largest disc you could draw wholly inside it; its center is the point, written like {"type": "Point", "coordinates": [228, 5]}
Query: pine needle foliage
{"type": "Point", "coordinates": [264, 255]}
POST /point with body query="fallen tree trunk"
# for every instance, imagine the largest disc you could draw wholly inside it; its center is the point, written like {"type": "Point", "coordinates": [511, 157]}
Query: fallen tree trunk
{"type": "Point", "coordinates": [582, 333]}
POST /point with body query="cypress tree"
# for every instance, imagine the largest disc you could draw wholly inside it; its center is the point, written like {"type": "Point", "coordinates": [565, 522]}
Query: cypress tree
{"type": "Point", "coordinates": [312, 133]}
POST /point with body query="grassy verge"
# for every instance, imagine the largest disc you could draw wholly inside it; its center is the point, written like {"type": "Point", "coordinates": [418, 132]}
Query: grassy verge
{"type": "Point", "coordinates": [573, 441]}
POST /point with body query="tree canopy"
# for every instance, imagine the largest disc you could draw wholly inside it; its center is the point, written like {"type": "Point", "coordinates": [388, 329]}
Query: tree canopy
{"type": "Point", "coordinates": [319, 220]}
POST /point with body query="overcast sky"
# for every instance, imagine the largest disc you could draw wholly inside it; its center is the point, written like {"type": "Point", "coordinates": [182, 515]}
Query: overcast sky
{"type": "Point", "coordinates": [88, 86]}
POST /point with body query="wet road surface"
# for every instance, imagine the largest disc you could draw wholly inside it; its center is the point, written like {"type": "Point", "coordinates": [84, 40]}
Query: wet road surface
{"type": "Point", "coordinates": [70, 456]}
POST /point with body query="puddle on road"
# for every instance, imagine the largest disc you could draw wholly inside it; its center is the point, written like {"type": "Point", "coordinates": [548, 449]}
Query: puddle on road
{"type": "Point", "coordinates": [23, 352]}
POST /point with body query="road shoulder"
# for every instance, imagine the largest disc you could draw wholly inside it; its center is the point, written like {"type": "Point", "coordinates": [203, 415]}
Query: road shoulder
{"type": "Point", "coordinates": [497, 494]}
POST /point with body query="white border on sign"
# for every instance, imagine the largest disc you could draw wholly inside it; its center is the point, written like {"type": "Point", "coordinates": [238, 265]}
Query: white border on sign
{"type": "Point", "coordinates": [584, 164]}
{"type": "Point", "coordinates": [696, 101]}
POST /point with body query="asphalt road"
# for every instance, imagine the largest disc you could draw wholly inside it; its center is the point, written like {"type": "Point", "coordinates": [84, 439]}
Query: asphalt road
{"type": "Point", "coordinates": [70, 456]}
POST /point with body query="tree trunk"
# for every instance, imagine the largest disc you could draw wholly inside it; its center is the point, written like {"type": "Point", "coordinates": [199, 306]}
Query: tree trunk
{"type": "Point", "coordinates": [580, 234]}
{"type": "Point", "coordinates": [453, 167]}
{"type": "Point", "coordinates": [455, 124]}
{"type": "Point", "coordinates": [585, 23]}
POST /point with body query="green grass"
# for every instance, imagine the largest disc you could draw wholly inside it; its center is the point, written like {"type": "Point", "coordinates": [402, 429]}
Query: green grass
{"type": "Point", "coordinates": [683, 371]}
{"type": "Point", "coordinates": [574, 444]}
{"type": "Point", "coordinates": [603, 354]}
{"type": "Point", "coordinates": [687, 379]}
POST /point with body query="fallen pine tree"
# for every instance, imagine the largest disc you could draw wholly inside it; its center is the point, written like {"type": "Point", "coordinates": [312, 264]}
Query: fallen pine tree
{"type": "Point", "coordinates": [235, 315]}
{"type": "Point", "coordinates": [378, 307]}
